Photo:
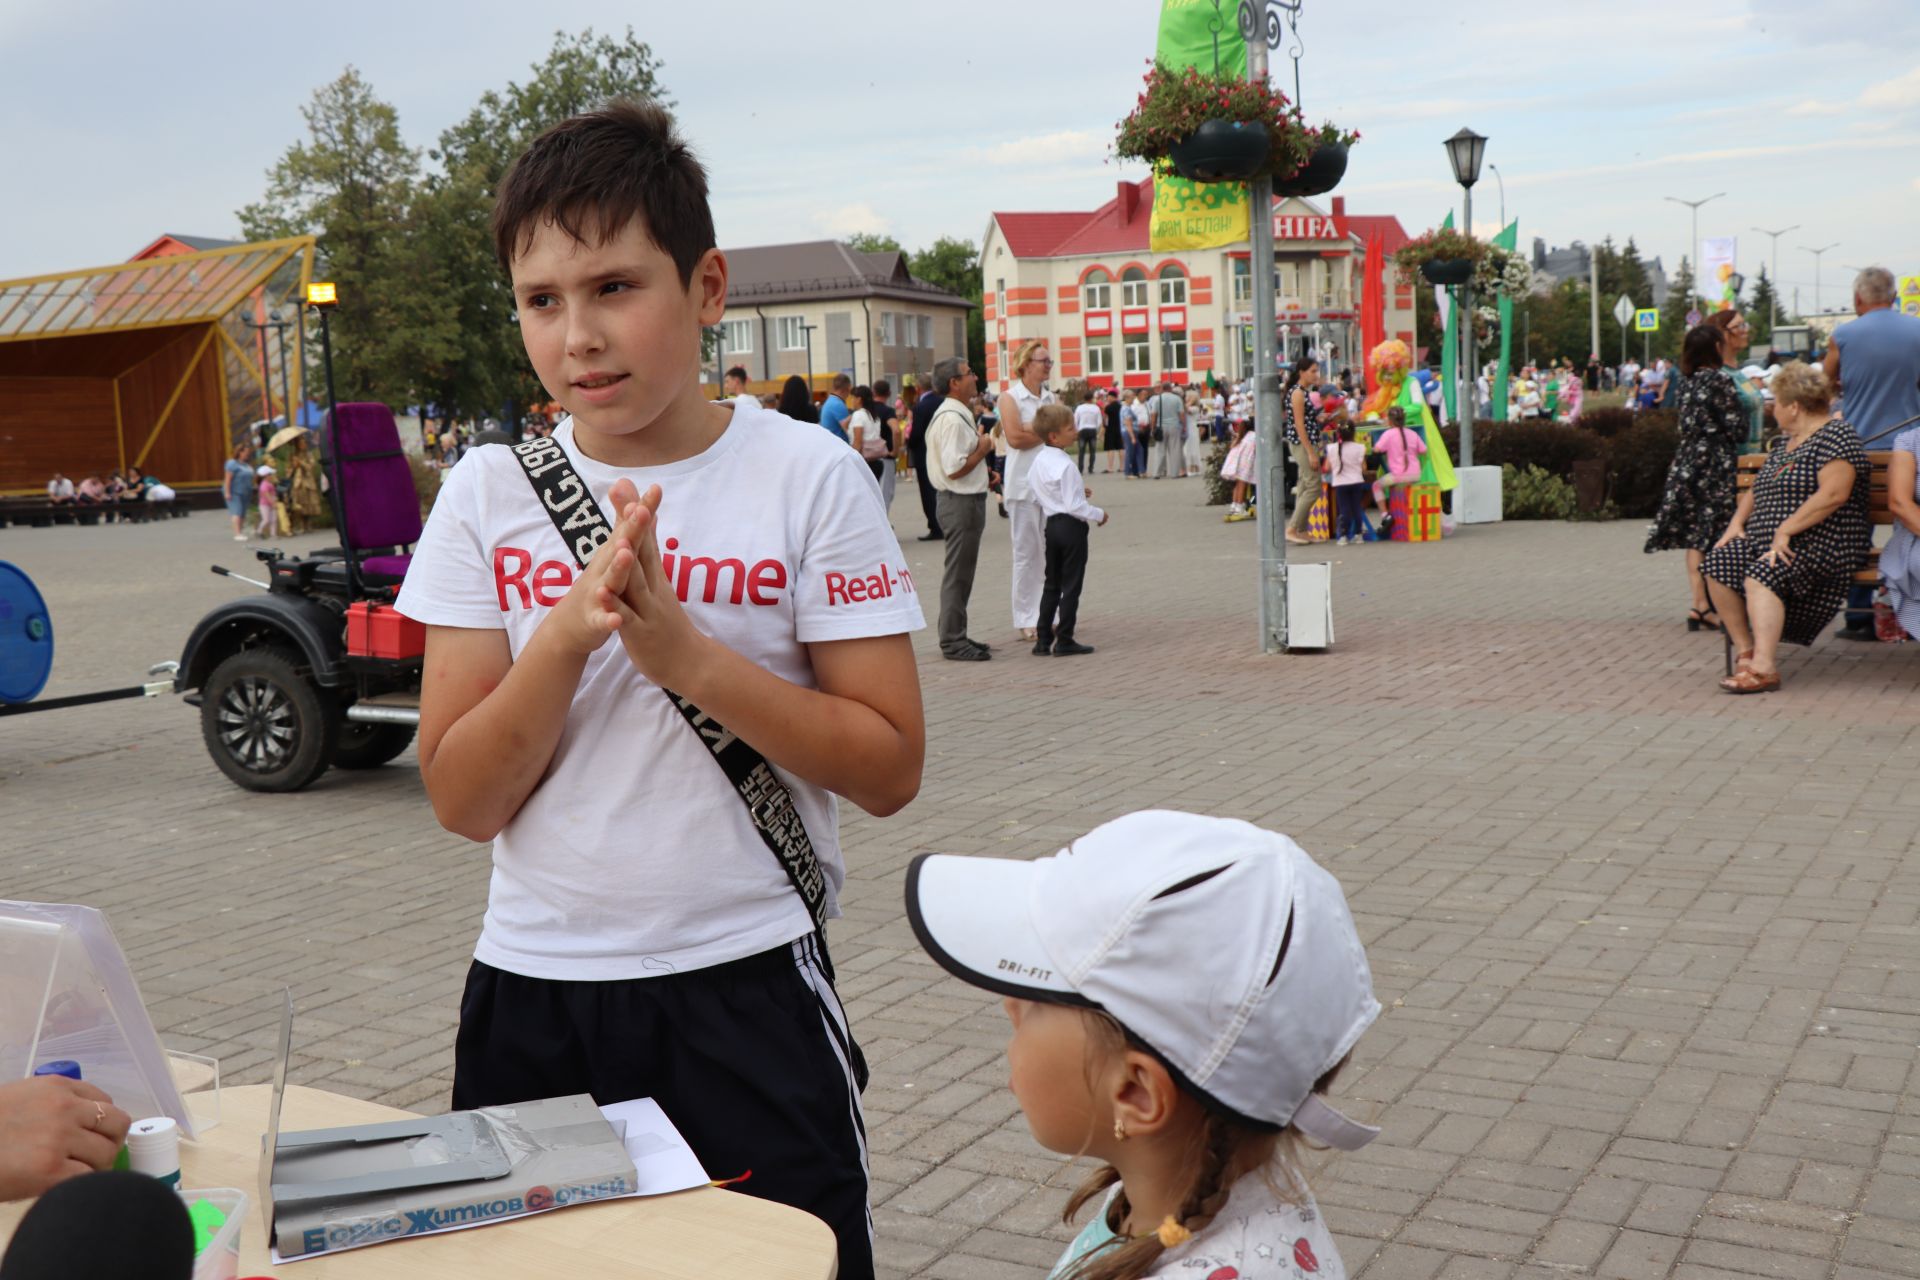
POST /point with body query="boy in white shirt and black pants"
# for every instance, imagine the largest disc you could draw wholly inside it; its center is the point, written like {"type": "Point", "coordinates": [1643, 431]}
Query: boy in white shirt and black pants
{"type": "Point", "coordinates": [1056, 485]}
{"type": "Point", "coordinates": [659, 643]}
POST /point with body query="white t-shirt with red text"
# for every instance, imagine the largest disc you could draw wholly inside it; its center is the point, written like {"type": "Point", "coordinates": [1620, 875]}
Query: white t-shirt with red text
{"type": "Point", "coordinates": [634, 856]}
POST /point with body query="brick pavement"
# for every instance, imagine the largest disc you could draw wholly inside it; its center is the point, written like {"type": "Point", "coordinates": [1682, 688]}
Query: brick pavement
{"type": "Point", "coordinates": [1649, 952]}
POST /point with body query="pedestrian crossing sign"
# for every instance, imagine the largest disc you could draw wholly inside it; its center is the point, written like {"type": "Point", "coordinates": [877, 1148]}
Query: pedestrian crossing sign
{"type": "Point", "coordinates": [1646, 320]}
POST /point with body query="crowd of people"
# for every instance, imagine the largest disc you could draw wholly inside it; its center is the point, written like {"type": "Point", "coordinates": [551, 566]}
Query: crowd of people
{"type": "Point", "coordinates": [1774, 564]}
{"type": "Point", "coordinates": [111, 493]}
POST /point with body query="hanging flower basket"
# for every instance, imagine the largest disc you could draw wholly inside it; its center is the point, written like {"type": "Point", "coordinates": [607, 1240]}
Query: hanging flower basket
{"type": "Point", "coordinates": [1321, 174]}
{"type": "Point", "coordinates": [1326, 162]}
{"type": "Point", "coordinates": [1443, 256]}
{"type": "Point", "coordinates": [1222, 151]}
{"type": "Point", "coordinates": [1204, 124]}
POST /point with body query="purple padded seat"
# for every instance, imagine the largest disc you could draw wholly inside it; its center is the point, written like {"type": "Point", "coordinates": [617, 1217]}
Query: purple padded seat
{"type": "Point", "coordinates": [376, 490]}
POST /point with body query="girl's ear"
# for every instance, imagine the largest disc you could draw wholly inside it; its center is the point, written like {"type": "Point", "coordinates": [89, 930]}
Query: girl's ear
{"type": "Point", "coordinates": [1142, 1093]}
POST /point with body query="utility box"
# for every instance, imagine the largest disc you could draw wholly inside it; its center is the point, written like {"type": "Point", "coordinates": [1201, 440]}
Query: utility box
{"type": "Point", "coordinates": [381, 631]}
{"type": "Point", "coordinates": [1476, 495]}
{"type": "Point", "coordinates": [1309, 606]}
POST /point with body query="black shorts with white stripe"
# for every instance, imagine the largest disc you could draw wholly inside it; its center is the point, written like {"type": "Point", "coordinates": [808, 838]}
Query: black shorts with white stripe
{"type": "Point", "coordinates": [752, 1060]}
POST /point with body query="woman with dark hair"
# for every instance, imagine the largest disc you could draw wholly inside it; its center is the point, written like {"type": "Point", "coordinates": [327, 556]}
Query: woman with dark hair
{"type": "Point", "coordinates": [795, 403]}
{"type": "Point", "coordinates": [1302, 421]}
{"type": "Point", "coordinates": [1735, 335]}
{"type": "Point", "coordinates": [1700, 491]}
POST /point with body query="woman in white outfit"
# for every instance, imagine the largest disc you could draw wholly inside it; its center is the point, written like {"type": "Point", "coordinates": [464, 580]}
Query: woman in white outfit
{"type": "Point", "coordinates": [1031, 364]}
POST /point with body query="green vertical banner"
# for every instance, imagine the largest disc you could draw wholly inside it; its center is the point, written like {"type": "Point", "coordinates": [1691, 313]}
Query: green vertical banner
{"type": "Point", "coordinates": [1450, 343]}
{"type": "Point", "coordinates": [1198, 215]}
{"type": "Point", "coordinates": [1510, 241]}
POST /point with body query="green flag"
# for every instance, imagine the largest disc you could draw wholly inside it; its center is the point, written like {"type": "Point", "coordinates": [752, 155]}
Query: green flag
{"type": "Point", "coordinates": [1510, 241]}
{"type": "Point", "coordinates": [1449, 344]}
{"type": "Point", "coordinates": [1196, 215]}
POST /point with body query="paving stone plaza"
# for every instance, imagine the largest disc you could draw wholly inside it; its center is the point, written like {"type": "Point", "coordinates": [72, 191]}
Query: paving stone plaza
{"type": "Point", "coordinates": [1648, 952]}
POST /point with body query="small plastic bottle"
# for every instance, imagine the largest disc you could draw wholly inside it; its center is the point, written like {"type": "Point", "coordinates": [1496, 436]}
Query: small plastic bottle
{"type": "Point", "coordinates": [59, 1067]}
{"type": "Point", "coordinates": [153, 1148]}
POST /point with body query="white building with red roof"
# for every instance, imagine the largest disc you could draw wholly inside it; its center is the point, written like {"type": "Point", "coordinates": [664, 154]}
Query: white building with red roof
{"type": "Point", "coordinates": [1117, 314]}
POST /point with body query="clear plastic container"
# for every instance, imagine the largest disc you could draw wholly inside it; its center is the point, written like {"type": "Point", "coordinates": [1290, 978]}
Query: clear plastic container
{"type": "Point", "coordinates": [220, 1260]}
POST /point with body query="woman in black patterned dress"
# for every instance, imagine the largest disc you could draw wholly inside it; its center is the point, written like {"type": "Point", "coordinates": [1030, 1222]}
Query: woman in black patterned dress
{"type": "Point", "coordinates": [1701, 492]}
{"type": "Point", "coordinates": [1301, 429]}
{"type": "Point", "coordinates": [1781, 570]}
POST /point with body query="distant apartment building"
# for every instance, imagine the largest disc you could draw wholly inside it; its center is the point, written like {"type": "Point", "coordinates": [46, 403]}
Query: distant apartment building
{"type": "Point", "coordinates": [819, 307]}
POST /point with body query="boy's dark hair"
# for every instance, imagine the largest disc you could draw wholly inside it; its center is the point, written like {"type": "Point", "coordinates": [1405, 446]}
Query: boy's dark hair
{"type": "Point", "coordinates": [593, 174]}
{"type": "Point", "coordinates": [738, 371]}
{"type": "Point", "coordinates": [882, 388]}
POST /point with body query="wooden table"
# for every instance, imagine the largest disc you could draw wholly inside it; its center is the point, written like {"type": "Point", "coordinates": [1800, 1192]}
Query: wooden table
{"type": "Point", "coordinates": [689, 1235]}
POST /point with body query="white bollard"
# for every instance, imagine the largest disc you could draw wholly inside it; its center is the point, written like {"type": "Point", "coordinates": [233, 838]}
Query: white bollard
{"type": "Point", "coordinates": [1476, 495]}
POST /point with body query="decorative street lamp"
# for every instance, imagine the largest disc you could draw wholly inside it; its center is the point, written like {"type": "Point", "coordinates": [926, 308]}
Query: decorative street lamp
{"type": "Point", "coordinates": [1816, 270]}
{"type": "Point", "coordinates": [322, 297]}
{"type": "Point", "coordinates": [1773, 317]}
{"type": "Point", "coordinates": [1465, 150]}
{"type": "Point", "coordinates": [1695, 246]}
{"type": "Point", "coordinates": [806, 331]}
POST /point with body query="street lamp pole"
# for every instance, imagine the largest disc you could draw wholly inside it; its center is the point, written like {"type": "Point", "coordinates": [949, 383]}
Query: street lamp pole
{"type": "Point", "coordinates": [1816, 270]}
{"type": "Point", "coordinates": [1695, 246]}
{"type": "Point", "coordinates": [1270, 448]}
{"type": "Point", "coordinates": [853, 357]}
{"type": "Point", "coordinates": [806, 331]}
{"type": "Point", "coordinates": [1503, 197]}
{"type": "Point", "coordinates": [1773, 315]}
{"type": "Point", "coordinates": [1465, 150]}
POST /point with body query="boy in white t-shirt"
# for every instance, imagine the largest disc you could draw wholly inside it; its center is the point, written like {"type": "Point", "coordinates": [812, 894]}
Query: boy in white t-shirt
{"type": "Point", "coordinates": [1062, 498]}
{"type": "Point", "coordinates": [642, 938]}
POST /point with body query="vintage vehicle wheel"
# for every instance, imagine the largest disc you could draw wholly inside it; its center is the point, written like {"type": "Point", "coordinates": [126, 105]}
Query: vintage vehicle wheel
{"type": "Point", "coordinates": [368, 746]}
{"type": "Point", "coordinates": [266, 725]}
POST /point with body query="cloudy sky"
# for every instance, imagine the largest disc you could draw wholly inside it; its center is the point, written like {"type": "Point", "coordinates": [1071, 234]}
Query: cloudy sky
{"type": "Point", "coordinates": [127, 119]}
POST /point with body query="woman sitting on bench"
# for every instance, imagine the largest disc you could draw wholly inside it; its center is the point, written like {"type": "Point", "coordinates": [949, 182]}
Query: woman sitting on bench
{"type": "Point", "coordinates": [1780, 571]}
{"type": "Point", "coordinates": [1900, 560]}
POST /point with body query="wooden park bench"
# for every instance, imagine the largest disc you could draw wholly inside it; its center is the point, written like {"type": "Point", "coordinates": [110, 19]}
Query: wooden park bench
{"type": "Point", "coordinates": [1879, 512]}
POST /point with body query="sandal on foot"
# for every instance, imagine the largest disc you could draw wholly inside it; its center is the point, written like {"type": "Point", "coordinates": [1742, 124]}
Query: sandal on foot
{"type": "Point", "coordinates": [1702, 620]}
{"type": "Point", "coordinates": [1747, 680]}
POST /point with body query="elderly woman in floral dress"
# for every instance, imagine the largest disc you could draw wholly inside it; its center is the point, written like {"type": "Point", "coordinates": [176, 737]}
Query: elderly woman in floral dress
{"type": "Point", "coordinates": [1781, 570]}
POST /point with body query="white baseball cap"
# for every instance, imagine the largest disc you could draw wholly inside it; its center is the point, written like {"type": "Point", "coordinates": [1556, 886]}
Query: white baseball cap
{"type": "Point", "coordinates": [1222, 947]}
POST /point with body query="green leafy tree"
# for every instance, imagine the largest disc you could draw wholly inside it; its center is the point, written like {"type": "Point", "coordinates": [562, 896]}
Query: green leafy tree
{"type": "Point", "coordinates": [954, 265]}
{"type": "Point", "coordinates": [1766, 302]}
{"type": "Point", "coordinates": [488, 373]}
{"type": "Point", "coordinates": [1673, 317]}
{"type": "Point", "coordinates": [870, 242]}
{"type": "Point", "coordinates": [354, 185]}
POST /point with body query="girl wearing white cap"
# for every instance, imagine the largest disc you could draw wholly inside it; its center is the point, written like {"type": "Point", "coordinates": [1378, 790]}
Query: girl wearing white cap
{"type": "Point", "coordinates": [1183, 990]}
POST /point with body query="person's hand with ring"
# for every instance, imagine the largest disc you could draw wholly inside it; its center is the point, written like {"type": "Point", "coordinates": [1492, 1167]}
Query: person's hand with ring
{"type": "Point", "coordinates": [52, 1129]}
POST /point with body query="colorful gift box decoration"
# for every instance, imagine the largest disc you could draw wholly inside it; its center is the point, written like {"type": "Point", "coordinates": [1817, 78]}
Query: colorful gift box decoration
{"type": "Point", "coordinates": [1416, 512]}
{"type": "Point", "coordinates": [1424, 526]}
{"type": "Point", "coordinates": [1320, 519]}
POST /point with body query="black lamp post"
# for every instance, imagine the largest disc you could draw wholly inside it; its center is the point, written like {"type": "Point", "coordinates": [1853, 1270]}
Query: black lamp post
{"type": "Point", "coordinates": [323, 297]}
{"type": "Point", "coordinates": [807, 331]}
{"type": "Point", "coordinates": [1465, 150]}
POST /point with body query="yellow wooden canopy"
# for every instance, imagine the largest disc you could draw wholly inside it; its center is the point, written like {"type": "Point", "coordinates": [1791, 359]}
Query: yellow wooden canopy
{"type": "Point", "coordinates": [155, 363]}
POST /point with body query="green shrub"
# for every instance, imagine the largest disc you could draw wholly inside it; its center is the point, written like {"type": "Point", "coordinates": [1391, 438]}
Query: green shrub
{"type": "Point", "coordinates": [1637, 463]}
{"type": "Point", "coordinates": [1551, 446]}
{"type": "Point", "coordinates": [1533, 494]}
{"type": "Point", "coordinates": [1605, 421]}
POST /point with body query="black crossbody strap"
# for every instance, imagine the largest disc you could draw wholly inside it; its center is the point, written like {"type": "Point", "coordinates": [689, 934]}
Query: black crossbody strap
{"type": "Point", "coordinates": [583, 527]}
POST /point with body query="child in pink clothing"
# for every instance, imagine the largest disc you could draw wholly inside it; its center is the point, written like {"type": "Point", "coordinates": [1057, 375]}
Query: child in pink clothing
{"type": "Point", "coordinates": [268, 496]}
{"type": "Point", "coordinates": [1346, 463]}
{"type": "Point", "coordinates": [1402, 446]}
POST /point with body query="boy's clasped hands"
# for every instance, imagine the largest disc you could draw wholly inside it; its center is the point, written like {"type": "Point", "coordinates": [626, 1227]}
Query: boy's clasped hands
{"type": "Point", "coordinates": [624, 590]}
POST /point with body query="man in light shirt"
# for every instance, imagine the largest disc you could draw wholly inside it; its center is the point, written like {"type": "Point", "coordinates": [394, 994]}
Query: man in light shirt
{"type": "Point", "coordinates": [1087, 420]}
{"type": "Point", "coordinates": [957, 449]}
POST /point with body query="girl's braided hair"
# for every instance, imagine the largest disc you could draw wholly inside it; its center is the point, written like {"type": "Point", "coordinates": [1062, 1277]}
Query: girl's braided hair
{"type": "Point", "coordinates": [1225, 1148]}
